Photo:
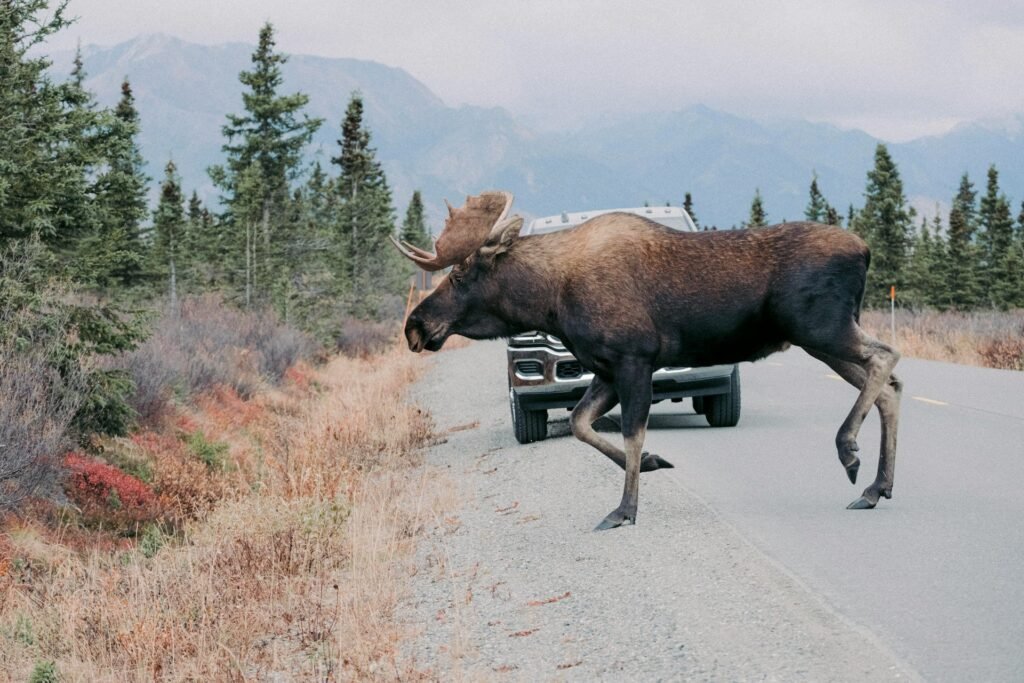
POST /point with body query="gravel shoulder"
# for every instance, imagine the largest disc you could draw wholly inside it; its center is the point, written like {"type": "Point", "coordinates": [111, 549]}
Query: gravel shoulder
{"type": "Point", "coordinates": [516, 586]}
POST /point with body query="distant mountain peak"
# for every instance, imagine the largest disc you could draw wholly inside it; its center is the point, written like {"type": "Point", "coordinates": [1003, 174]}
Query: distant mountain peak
{"type": "Point", "coordinates": [184, 90]}
{"type": "Point", "coordinates": [1010, 126]}
{"type": "Point", "coordinates": [149, 45]}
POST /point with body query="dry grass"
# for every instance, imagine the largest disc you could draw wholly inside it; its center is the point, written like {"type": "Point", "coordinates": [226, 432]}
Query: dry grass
{"type": "Point", "coordinates": [289, 567]}
{"type": "Point", "coordinates": [985, 338]}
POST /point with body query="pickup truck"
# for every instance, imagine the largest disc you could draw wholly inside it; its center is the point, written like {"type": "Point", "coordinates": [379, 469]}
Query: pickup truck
{"type": "Point", "coordinates": [543, 375]}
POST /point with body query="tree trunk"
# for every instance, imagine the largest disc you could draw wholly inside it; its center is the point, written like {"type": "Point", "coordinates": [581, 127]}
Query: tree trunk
{"type": "Point", "coordinates": [248, 264]}
{"type": "Point", "coordinates": [355, 245]}
{"type": "Point", "coordinates": [265, 220]}
{"type": "Point", "coordinates": [174, 283]}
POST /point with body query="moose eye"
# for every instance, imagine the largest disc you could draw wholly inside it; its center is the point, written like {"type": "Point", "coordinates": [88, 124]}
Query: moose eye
{"type": "Point", "coordinates": [456, 275]}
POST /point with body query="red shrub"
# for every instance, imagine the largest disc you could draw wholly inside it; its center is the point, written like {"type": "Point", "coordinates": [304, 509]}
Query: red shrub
{"type": "Point", "coordinates": [105, 493]}
{"type": "Point", "coordinates": [299, 375]}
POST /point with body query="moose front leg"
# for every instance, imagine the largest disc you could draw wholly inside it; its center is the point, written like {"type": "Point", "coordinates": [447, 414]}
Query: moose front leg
{"type": "Point", "coordinates": [634, 389]}
{"type": "Point", "coordinates": [599, 399]}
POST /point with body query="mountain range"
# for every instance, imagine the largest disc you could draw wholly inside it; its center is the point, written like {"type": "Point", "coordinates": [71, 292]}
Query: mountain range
{"type": "Point", "coordinates": [184, 91]}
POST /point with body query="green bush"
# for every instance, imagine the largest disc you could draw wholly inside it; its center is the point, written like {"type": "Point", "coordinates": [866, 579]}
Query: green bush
{"type": "Point", "coordinates": [212, 453]}
{"type": "Point", "coordinates": [38, 314]}
{"type": "Point", "coordinates": [44, 672]}
{"type": "Point", "coordinates": [151, 541]}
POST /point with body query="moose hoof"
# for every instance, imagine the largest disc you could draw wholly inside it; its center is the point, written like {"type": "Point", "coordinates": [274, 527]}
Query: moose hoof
{"type": "Point", "coordinates": [871, 496]}
{"type": "Point", "coordinates": [862, 503]}
{"type": "Point", "coordinates": [851, 469]}
{"type": "Point", "coordinates": [617, 518]}
{"type": "Point", "coordinates": [868, 499]}
{"type": "Point", "coordinates": [650, 462]}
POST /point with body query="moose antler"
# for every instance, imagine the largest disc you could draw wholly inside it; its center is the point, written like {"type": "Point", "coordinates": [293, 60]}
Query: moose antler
{"type": "Point", "coordinates": [465, 229]}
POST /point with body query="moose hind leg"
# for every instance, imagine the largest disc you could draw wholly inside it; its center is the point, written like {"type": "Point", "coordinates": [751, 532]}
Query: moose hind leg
{"type": "Point", "coordinates": [598, 400]}
{"type": "Point", "coordinates": [634, 389]}
{"type": "Point", "coordinates": [888, 404]}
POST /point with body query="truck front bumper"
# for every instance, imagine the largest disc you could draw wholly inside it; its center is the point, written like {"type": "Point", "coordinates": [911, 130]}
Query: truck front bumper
{"type": "Point", "coordinates": [546, 377]}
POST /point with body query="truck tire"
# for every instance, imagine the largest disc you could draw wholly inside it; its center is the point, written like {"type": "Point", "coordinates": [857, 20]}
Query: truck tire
{"type": "Point", "coordinates": [723, 410]}
{"type": "Point", "coordinates": [528, 425]}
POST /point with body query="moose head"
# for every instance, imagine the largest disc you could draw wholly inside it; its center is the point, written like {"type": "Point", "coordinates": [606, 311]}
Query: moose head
{"type": "Point", "coordinates": [474, 236]}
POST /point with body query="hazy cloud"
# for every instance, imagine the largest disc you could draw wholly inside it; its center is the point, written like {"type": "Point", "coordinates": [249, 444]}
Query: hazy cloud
{"type": "Point", "coordinates": [896, 69]}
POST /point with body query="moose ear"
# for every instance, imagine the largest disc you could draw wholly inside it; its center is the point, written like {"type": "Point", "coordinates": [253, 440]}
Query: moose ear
{"type": "Point", "coordinates": [503, 234]}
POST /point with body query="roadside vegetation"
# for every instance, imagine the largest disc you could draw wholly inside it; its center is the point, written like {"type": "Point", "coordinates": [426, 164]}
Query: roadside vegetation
{"type": "Point", "coordinates": [113, 312]}
{"type": "Point", "coordinates": [207, 455]}
{"type": "Point", "coordinates": [240, 538]}
{"type": "Point", "coordinates": [991, 339]}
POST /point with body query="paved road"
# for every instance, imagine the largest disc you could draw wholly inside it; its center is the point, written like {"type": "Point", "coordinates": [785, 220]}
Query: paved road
{"type": "Point", "coordinates": [938, 572]}
{"type": "Point", "coordinates": [515, 585]}
{"type": "Point", "coordinates": [745, 564]}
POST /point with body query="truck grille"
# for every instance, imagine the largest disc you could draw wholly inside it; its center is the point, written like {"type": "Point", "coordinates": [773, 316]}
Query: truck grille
{"type": "Point", "coordinates": [570, 369]}
{"type": "Point", "coordinates": [529, 368]}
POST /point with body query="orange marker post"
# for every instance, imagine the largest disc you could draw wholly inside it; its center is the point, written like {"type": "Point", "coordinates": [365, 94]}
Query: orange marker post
{"type": "Point", "coordinates": [892, 312]}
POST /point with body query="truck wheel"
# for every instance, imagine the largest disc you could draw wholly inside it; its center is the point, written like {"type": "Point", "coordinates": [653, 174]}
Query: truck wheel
{"type": "Point", "coordinates": [528, 425]}
{"type": "Point", "coordinates": [723, 410]}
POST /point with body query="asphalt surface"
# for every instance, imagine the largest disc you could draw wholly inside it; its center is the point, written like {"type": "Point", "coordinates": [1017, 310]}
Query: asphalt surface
{"type": "Point", "coordinates": [745, 564]}
{"type": "Point", "coordinates": [937, 572]}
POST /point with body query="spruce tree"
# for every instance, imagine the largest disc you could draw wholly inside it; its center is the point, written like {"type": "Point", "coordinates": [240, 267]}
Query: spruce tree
{"type": "Point", "coordinates": [197, 250]}
{"type": "Point", "coordinates": [885, 223]}
{"type": "Point", "coordinates": [414, 227]}
{"type": "Point", "coordinates": [817, 207]}
{"type": "Point", "coordinates": [1008, 290]}
{"type": "Point", "coordinates": [168, 229]}
{"type": "Point", "coordinates": [368, 267]}
{"type": "Point", "coordinates": [688, 206]}
{"type": "Point", "coordinates": [758, 218]}
{"type": "Point", "coordinates": [923, 276]}
{"type": "Point", "coordinates": [995, 236]}
{"type": "Point", "coordinates": [310, 297]}
{"type": "Point", "coordinates": [936, 281]}
{"type": "Point", "coordinates": [268, 139]}
{"type": "Point", "coordinates": [34, 178]}
{"type": "Point", "coordinates": [78, 236]}
{"type": "Point", "coordinates": [960, 269]}
{"type": "Point", "coordinates": [120, 193]}
{"type": "Point", "coordinates": [966, 200]}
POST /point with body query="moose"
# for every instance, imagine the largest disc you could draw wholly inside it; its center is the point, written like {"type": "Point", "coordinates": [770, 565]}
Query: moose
{"type": "Point", "coordinates": [628, 296]}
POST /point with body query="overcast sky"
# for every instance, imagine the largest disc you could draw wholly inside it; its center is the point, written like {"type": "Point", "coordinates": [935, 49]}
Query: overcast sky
{"type": "Point", "coordinates": [895, 68]}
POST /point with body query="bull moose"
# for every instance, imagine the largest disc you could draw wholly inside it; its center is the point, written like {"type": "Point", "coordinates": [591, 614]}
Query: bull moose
{"type": "Point", "coordinates": [628, 296]}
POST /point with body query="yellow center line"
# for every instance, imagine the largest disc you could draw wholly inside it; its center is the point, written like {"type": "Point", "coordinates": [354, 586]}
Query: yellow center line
{"type": "Point", "coordinates": [932, 401]}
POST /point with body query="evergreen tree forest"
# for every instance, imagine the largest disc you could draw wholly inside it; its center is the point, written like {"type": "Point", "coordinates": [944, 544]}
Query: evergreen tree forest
{"type": "Point", "coordinates": [87, 265]}
{"type": "Point", "coordinates": [970, 258]}
{"type": "Point", "coordinates": [286, 235]}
